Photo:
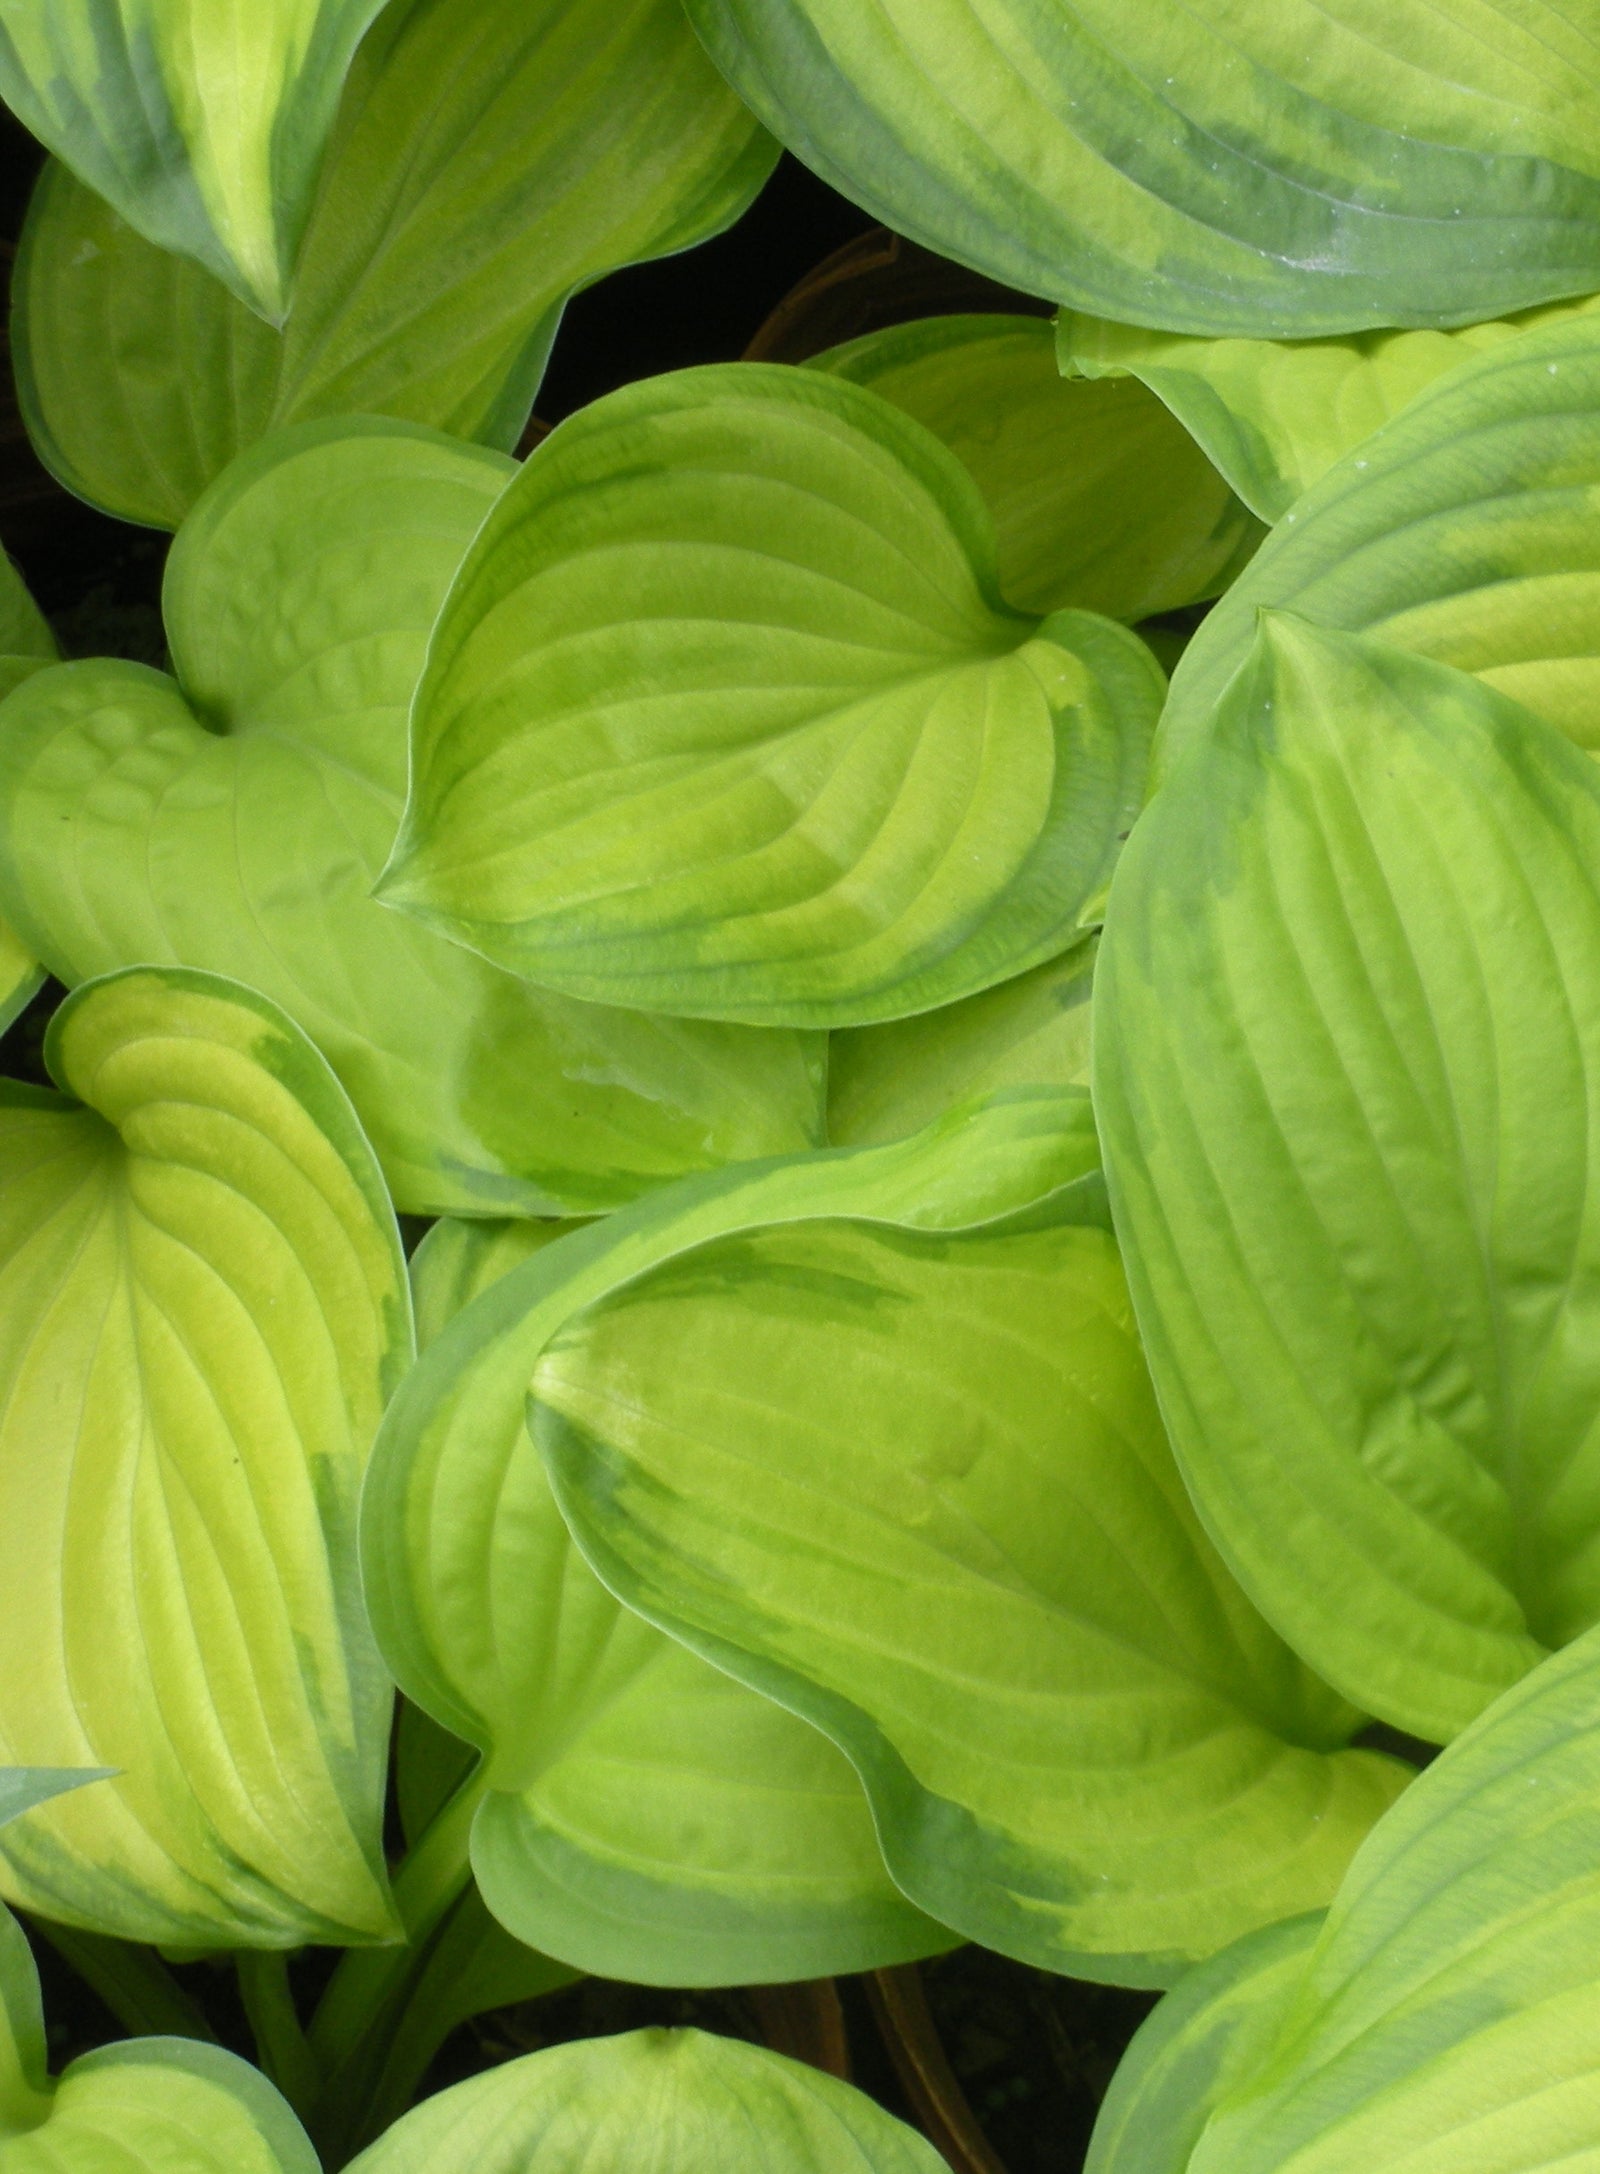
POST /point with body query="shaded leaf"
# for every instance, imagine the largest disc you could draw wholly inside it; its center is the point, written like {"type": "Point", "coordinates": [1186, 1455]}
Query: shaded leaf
{"type": "Point", "coordinates": [150, 2106]}
{"type": "Point", "coordinates": [1347, 1060]}
{"type": "Point", "coordinates": [204, 1315]}
{"type": "Point", "coordinates": [1100, 500]}
{"type": "Point", "coordinates": [480, 173]}
{"type": "Point", "coordinates": [724, 718]}
{"type": "Point", "coordinates": [704, 2103]}
{"type": "Point", "coordinates": [203, 121]}
{"type": "Point", "coordinates": [234, 818]}
{"type": "Point", "coordinates": [1236, 166]}
{"type": "Point", "coordinates": [886, 1082]}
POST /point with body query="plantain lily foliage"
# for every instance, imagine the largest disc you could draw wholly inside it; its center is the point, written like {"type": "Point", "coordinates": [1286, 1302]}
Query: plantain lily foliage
{"type": "Point", "coordinates": [469, 188]}
{"type": "Point", "coordinates": [232, 817]}
{"type": "Point", "coordinates": [845, 781]}
{"type": "Point", "coordinates": [726, 1256]}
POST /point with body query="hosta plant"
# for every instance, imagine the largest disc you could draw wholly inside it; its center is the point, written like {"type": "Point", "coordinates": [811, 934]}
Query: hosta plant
{"type": "Point", "coordinates": [803, 1176]}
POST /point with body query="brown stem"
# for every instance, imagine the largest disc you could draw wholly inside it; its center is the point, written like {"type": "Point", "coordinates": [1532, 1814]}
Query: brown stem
{"type": "Point", "coordinates": [900, 2009]}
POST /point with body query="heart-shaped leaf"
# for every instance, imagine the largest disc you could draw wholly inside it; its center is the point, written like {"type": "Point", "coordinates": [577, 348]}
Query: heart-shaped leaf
{"type": "Point", "coordinates": [887, 1082]}
{"type": "Point", "coordinates": [1112, 1846]}
{"type": "Point", "coordinates": [706, 2106]}
{"type": "Point", "coordinates": [1347, 1057]}
{"type": "Point", "coordinates": [234, 820]}
{"type": "Point", "coordinates": [725, 718]}
{"type": "Point", "coordinates": [204, 1314]}
{"type": "Point", "coordinates": [1229, 166]}
{"type": "Point", "coordinates": [648, 1817]}
{"type": "Point", "coordinates": [1100, 500]}
{"type": "Point", "coordinates": [152, 2106]}
{"type": "Point", "coordinates": [1276, 414]}
{"type": "Point", "coordinates": [457, 1508]}
{"type": "Point", "coordinates": [1464, 530]}
{"type": "Point", "coordinates": [1445, 2017]}
{"type": "Point", "coordinates": [474, 182]}
{"type": "Point", "coordinates": [203, 121]}
{"type": "Point", "coordinates": [1210, 2030]}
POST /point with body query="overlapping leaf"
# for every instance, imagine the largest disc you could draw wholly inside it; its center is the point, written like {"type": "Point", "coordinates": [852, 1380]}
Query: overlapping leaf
{"type": "Point", "coordinates": [26, 646]}
{"type": "Point", "coordinates": [649, 1817]}
{"type": "Point", "coordinates": [696, 2104]}
{"type": "Point", "coordinates": [234, 820]}
{"type": "Point", "coordinates": [479, 174]}
{"type": "Point", "coordinates": [1347, 1069]}
{"type": "Point", "coordinates": [1275, 415]}
{"type": "Point", "coordinates": [724, 717]}
{"type": "Point", "coordinates": [203, 121]}
{"type": "Point", "coordinates": [146, 2106]}
{"type": "Point", "coordinates": [1212, 2029]}
{"type": "Point", "coordinates": [1445, 2017]}
{"type": "Point", "coordinates": [1065, 1761]}
{"type": "Point", "coordinates": [204, 1314]}
{"type": "Point", "coordinates": [1099, 498]}
{"type": "Point", "coordinates": [1464, 530]}
{"type": "Point", "coordinates": [1238, 166]}
{"type": "Point", "coordinates": [887, 1082]}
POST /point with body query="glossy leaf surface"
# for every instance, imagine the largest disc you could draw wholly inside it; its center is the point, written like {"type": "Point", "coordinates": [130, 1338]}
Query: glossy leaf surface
{"type": "Point", "coordinates": [1100, 500]}
{"type": "Point", "coordinates": [205, 1314]}
{"type": "Point", "coordinates": [1267, 167]}
{"type": "Point", "coordinates": [1274, 415]}
{"type": "Point", "coordinates": [1463, 531]}
{"type": "Point", "coordinates": [473, 183]}
{"type": "Point", "coordinates": [886, 1082]}
{"type": "Point", "coordinates": [1347, 1059]}
{"type": "Point", "coordinates": [1445, 2017]}
{"type": "Point", "coordinates": [234, 819]}
{"type": "Point", "coordinates": [1211, 2030]}
{"type": "Point", "coordinates": [860, 1482]}
{"type": "Point", "coordinates": [650, 1818]}
{"type": "Point", "coordinates": [203, 121]}
{"type": "Point", "coordinates": [724, 717]}
{"type": "Point", "coordinates": [705, 2104]}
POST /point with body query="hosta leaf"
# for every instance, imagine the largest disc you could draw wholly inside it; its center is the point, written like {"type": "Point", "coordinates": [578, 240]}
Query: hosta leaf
{"type": "Point", "coordinates": [1211, 2029]}
{"type": "Point", "coordinates": [1347, 1059]}
{"type": "Point", "coordinates": [1446, 2017]}
{"type": "Point", "coordinates": [886, 1082]}
{"type": "Point", "coordinates": [473, 183]}
{"type": "Point", "coordinates": [1276, 414]}
{"type": "Point", "coordinates": [21, 975]}
{"type": "Point", "coordinates": [23, 1788]}
{"type": "Point", "coordinates": [204, 1313]}
{"type": "Point", "coordinates": [457, 1262]}
{"type": "Point", "coordinates": [234, 819]}
{"type": "Point", "coordinates": [455, 1433]}
{"type": "Point", "coordinates": [203, 121]}
{"type": "Point", "coordinates": [1099, 498]}
{"type": "Point", "coordinates": [724, 717]}
{"type": "Point", "coordinates": [1464, 531]}
{"type": "Point", "coordinates": [649, 1817]}
{"type": "Point", "coordinates": [693, 2103]}
{"type": "Point", "coordinates": [1237, 166]}
{"type": "Point", "coordinates": [155, 2106]}
{"type": "Point", "coordinates": [455, 1496]}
